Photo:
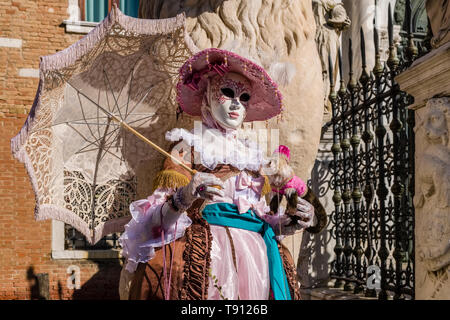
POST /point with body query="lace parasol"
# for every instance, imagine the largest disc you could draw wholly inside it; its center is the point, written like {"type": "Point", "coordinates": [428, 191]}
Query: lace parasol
{"type": "Point", "coordinates": [83, 164]}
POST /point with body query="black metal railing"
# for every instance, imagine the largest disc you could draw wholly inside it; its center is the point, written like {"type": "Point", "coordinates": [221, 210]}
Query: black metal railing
{"type": "Point", "coordinates": [373, 172]}
{"type": "Point", "coordinates": [75, 240]}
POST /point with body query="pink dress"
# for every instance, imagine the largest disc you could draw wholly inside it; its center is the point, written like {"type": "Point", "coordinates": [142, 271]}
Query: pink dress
{"type": "Point", "coordinates": [251, 279]}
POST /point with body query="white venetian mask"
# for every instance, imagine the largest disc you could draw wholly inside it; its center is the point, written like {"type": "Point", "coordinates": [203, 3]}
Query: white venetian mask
{"type": "Point", "coordinates": [229, 97]}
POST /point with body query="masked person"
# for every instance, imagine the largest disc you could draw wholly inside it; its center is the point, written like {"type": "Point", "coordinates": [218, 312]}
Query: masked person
{"type": "Point", "coordinates": [211, 235]}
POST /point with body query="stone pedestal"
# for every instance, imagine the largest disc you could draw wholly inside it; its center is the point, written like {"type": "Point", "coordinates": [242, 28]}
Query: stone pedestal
{"type": "Point", "coordinates": [428, 81]}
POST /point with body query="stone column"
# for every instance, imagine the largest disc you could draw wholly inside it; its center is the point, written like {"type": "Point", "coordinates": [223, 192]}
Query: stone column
{"type": "Point", "coordinates": [428, 81]}
{"type": "Point", "coordinates": [363, 14]}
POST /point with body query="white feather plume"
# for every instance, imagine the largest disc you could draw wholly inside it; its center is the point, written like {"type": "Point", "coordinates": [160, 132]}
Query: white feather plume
{"type": "Point", "coordinates": [280, 72]}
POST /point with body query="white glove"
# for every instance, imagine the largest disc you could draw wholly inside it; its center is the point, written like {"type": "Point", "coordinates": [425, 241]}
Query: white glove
{"type": "Point", "coordinates": [200, 187]}
{"type": "Point", "coordinates": [305, 211]}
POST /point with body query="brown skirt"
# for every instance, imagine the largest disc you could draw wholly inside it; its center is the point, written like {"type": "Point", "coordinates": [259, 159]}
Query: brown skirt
{"type": "Point", "coordinates": [191, 256]}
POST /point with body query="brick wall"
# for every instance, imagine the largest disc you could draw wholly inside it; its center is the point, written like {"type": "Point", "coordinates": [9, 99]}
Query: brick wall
{"type": "Point", "coordinates": [28, 30]}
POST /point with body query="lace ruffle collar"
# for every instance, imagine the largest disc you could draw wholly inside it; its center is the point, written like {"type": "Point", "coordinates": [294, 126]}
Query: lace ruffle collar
{"type": "Point", "coordinates": [216, 147]}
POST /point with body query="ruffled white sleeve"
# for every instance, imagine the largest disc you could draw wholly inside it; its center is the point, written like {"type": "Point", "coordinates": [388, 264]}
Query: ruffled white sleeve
{"type": "Point", "coordinates": [144, 232]}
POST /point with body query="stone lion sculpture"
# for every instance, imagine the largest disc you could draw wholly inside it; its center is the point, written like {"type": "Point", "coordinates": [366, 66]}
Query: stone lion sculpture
{"type": "Point", "coordinates": [434, 166]}
{"type": "Point", "coordinates": [277, 34]}
{"type": "Point", "coordinates": [438, 12]}
{"type": "Point", "coordinates": [432, 199]}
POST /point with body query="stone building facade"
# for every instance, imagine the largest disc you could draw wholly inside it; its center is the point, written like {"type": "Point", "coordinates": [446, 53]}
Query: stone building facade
{"type": "Point", "coordinates": [34, 263]}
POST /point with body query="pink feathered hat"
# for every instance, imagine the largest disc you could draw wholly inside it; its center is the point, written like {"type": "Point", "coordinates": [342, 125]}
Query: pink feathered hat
{"type": "Point", "coordinates": [265, 100]}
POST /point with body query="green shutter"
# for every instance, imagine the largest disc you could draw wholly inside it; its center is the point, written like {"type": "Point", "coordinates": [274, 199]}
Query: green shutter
{"type": "Point", "coordinates": [130, 7]}
{"type": "Point", "coordinates": [96, 10]}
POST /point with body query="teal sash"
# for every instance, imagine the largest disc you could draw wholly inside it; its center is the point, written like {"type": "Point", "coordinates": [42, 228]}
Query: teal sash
{"type": "Point", "coordinates": [227, 214]}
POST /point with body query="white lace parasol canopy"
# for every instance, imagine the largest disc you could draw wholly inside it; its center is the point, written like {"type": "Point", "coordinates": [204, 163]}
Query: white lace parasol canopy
{"type": "Point", "coordinates": [81, 164]}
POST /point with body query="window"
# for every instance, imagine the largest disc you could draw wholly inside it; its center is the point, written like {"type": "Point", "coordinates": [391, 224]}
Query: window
{"type": "Point", "coordinates": [75, 240]}
{"type": "Point", "coordinates": [67, 243]}
{"type": "Point", "coordinates": [96, 10]}
{"type": "Point", "coordinates": [85, 14]}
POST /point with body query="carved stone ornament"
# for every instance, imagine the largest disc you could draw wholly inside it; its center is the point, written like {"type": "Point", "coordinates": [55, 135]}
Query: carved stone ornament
{"type": "Point", "coordinates": [331, 18]}
{"type": "Point", "coordinates": [432, 201]}
{"type": "Point", "coordinates": [438, 12]}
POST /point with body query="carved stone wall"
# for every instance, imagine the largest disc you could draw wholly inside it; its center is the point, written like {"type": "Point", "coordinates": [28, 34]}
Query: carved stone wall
{"type": "Point", "coordinates": [428, 81]}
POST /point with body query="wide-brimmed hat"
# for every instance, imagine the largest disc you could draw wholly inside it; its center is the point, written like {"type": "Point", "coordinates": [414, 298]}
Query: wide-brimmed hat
{"type": "Point", "coordinates": [265, 100]}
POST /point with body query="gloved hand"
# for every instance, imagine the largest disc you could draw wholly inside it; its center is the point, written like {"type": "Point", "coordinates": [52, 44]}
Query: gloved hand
{"type": "Point", "coordinates": [305, 212]}
{"type": "Point", "coordinates": [202, 186]}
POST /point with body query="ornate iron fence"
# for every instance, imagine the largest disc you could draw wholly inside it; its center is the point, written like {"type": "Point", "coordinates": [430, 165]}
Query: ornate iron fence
{"type": "Point", "coordinates": [373, 172]}
{"type": "Point", "coordinates": [75, 240]}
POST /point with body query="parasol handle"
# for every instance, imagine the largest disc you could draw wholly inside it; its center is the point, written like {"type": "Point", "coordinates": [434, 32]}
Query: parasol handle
{"type": "Point", "coordinates": [140, 136]}
{"type": "Point", "coordinates": [164, 152]}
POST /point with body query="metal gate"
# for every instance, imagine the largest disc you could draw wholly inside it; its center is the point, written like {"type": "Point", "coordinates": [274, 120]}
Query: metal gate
{"type": "Point", "coordinates": [373, 173]}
